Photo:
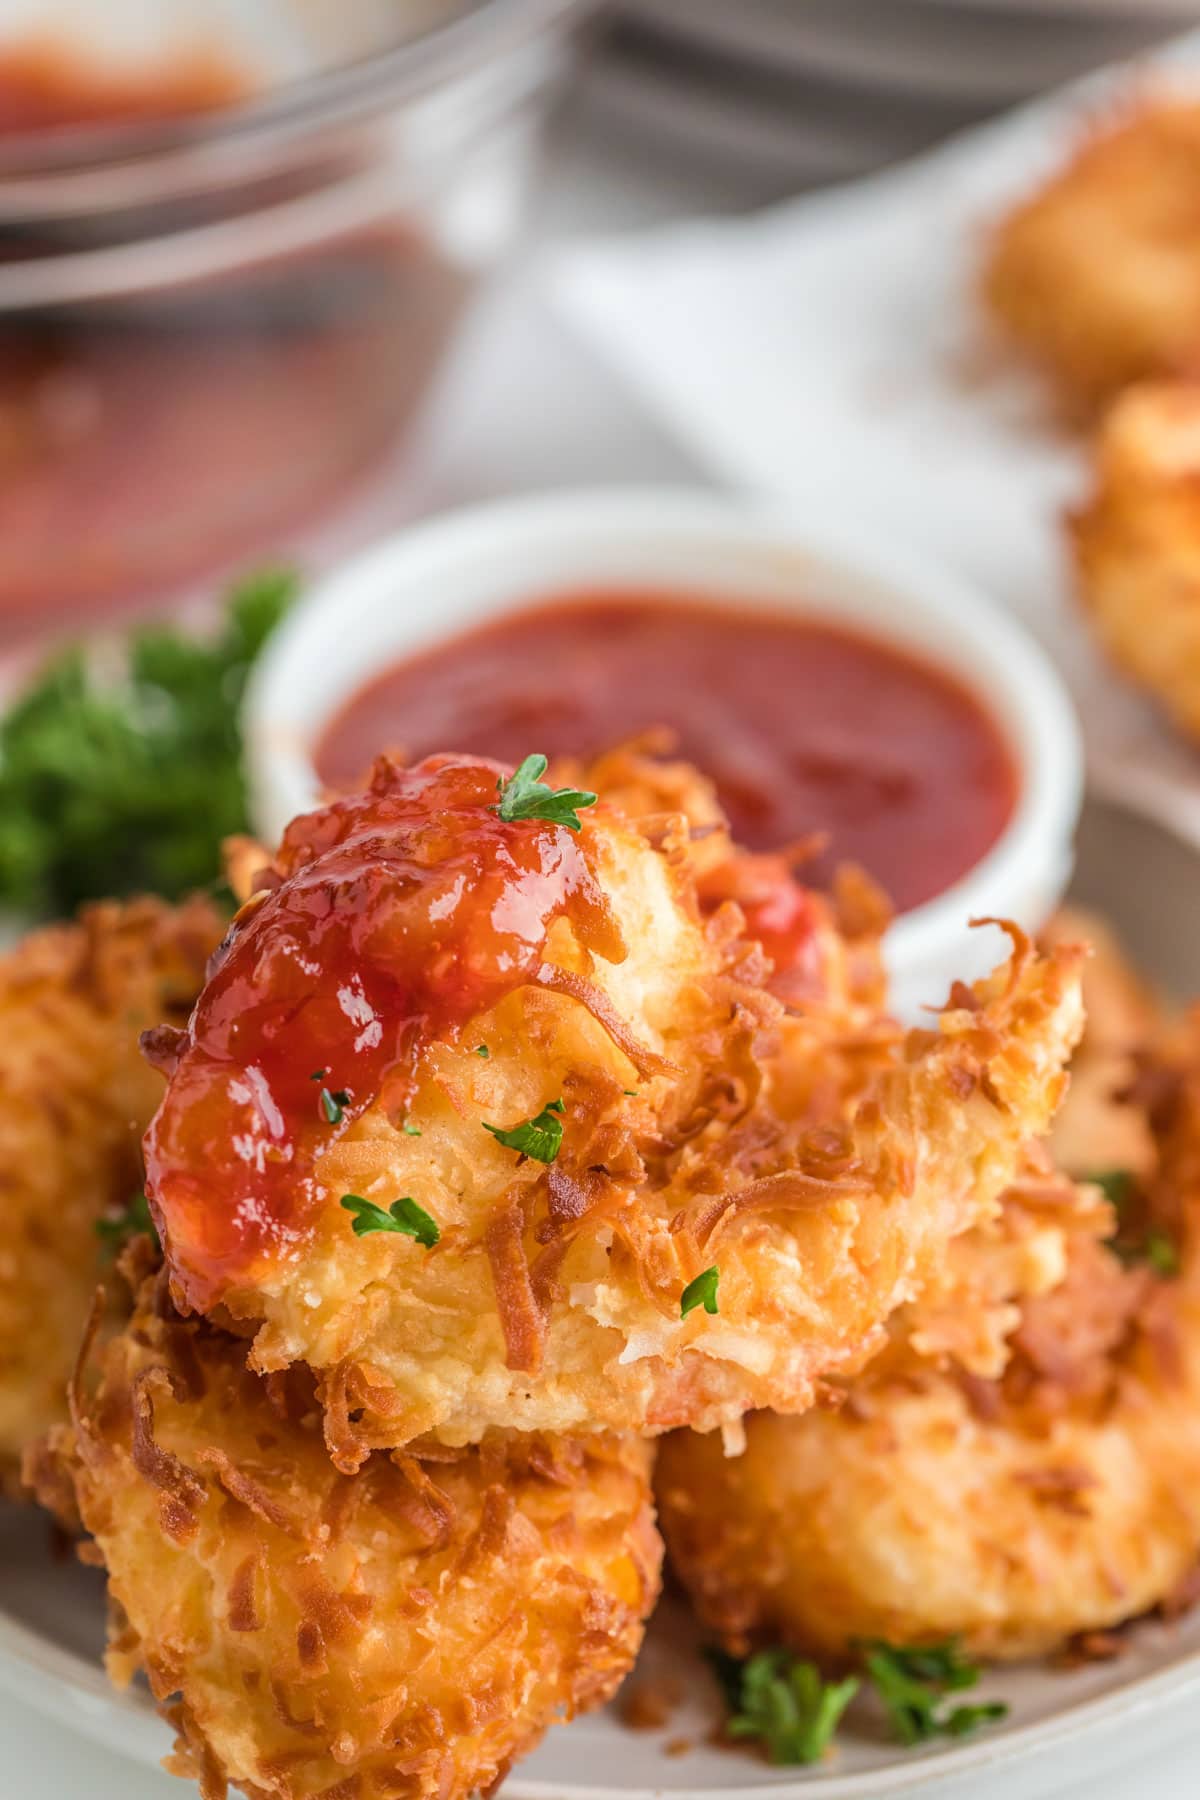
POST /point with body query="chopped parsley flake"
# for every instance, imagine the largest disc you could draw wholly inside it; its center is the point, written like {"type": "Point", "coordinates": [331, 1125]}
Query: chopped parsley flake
{"type": "Point", "coordinates": [403, 1215]}
{"type": "Point", "coordinates": [1160, 1252]}
{"type": "Point", "coordinates": [1150, 1244]}
{"type": "Point", "coordinates": [333, 1104]}
{"type": "Point", "coordinates": [482, 1050]}
{"type": "Point", "coordinates": [136, 1218]}
{"type": "Point", "coordinates": [410, 1130]}
{"type": "Point", "coordinates": [782, 1701]}
{"type": "Point", "coordinates": [913, 1685]}
{"type": "Point", "coordinates": [318, 1074]}
{"type": "Point", "coordinates": [1115, 1185]}
{"type": "Point", "coordinates": [700, 1292]}
{"type": "Point", "coordinates": [540, 1137]}
{"type": "Point", "coordinates": [526, 796]}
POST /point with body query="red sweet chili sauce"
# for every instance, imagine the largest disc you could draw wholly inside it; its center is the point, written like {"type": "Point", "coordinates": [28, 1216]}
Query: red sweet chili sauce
{"type": "Point", "coordinates": [804, 727]}
{"type": "Point", "coordinates": [404, 912]}
{"type": "Point", "coordinates": [164, 436]}
{"type": "Point", "coordinates": [45, 85]}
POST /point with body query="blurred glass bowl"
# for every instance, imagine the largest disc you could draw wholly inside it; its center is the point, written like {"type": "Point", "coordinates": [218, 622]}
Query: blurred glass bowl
{"type": "Point", "coordinates": [214, 324]}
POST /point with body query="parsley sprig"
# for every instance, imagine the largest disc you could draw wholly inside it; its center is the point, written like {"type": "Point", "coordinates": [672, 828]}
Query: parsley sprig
{"type": "Point", "coordinates": [782, 1701]}
{"type": "Point", "coordinates": [913, 1685]}
{"type": "Point", "coordinates": [1116, 1185]}
{"type": "Point", "coordinates": [540, 1137]}
{"type": "Point", "coordinates": [702, 1291]}
{"type": "Point", "coordinates": [122, 773]}
{"type": "Point", "coordinates": [1151, 1244]}
{"type": "Point", "coordinates": [526, 796]}
{"type": "Point", "coordinates": [403, 1215]}
{"type": "Point", "coordinates": [117, 1227]}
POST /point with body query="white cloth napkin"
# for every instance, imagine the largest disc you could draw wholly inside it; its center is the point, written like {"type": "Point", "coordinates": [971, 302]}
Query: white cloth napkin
{"type": "Point", "coordinates": [832, 346]}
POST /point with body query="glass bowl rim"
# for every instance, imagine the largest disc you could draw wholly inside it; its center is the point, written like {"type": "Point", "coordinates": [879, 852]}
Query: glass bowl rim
{"type": "Point", "coordinates": [335, 97]}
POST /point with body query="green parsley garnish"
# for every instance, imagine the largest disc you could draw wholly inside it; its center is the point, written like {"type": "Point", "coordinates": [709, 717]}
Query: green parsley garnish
{"type": "Point", "coordinates": [136, 1218]}
{"type": "Point", "coordinates": [1151, 1244]}
{"type": "Point", "coordinates": [318, 1074]}
{"type": "Point", "coordinates": [526, 796]}
{"type": "Point", "coordinates": [482, 1050]}
{"type": "Point", "coordinates": [540, 1137]}
{"type": "Point", "coordinates": [126, 781]}
{"type": "Point", "coordinates": [410, 1130]}
{"type": "Point", "coordinates": [333, 1105]}
{"type": "Point", "coordinates": [631, 1093]}
{"type": "Point", "coordinates": [403, 1215]}
{"type": "Point", "coordinates": [700, 1292]}
{"type": "Point", "coordinates": [783, 1702]}
{"type": "Point", "coordinates": [913, 1685]}
{"type": "Point", "coordinates": [1160, 1252]}
{"type": "Point", "coordinates": [1115, 1184]}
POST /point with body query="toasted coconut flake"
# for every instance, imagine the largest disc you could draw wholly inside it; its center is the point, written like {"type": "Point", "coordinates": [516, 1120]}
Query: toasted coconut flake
{"type": "Point", "coordinates": [792, 1190]}
{"type": "Point", "coordinates": [182, 1493]}
{"type": "Point", "coordinates": [564, 981]}
{"type": "Point", "coordinates": [520, 1315]}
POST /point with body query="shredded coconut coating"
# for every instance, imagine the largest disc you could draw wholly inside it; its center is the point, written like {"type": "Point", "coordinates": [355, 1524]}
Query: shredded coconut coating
{"type": "Point", "coordinates": [1135, 543]}
{"type": "Point", "coordinates": [1096, 276]}
{"type": "Point", "coordinates": [694, 1100]}
{"type": "Point", "coordinates": [401, 1634]}
{"type": "Point", "coordinates": [75, 1097]}
{"type": "Point", "coordinates": [1021, 1500]}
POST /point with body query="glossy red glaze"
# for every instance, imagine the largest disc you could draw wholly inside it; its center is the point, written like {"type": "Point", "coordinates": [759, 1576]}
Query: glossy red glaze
{"type": "Point", "coordinates": [403, 914]}
{"type": "Point", "coordinates": [803, 727]}
{"type": "Point", "coordinates": [780, 912]}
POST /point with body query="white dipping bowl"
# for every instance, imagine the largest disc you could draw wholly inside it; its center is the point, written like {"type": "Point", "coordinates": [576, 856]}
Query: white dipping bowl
{"type": "Point", "coordinates": [440, 578]}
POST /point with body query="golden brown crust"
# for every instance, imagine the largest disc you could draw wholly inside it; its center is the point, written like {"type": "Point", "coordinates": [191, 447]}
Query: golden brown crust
{"type": "Point", "coordinates": [697, 1107]}
{"type": "Point", "coordinates": [1136, 544]}
{"type": "Point", "coordinates": [1017, 1507]}
{"type": "Point", "coordinates": [1100, 1128]}
{"type": "Point", "coordinates": [75, 1096]}
{"type": "Point", "coordinates": [402, 1633]}
{"type": "Point", "coordinates": [552, 1300]}
{"type": "Point", "coordinates": [1096, 276]}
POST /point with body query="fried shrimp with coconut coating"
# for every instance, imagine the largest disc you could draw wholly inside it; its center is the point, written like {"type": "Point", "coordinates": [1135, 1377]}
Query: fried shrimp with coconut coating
{"type": "Point", "coordinates": [1100, 1127]}
{"type": "Point", "coordinates": [1135, 543]}
{"type": "Point", "coordinates": [1096, 277]}
{"type": "Point", "coordinates": [1015, 1509]}
{"type": "Point", "coordinates": [75, 1097]}
{"type": "Point", "coordinates": [401, 1634]}
{"type": "Point", "coordinates": [473, 1098]}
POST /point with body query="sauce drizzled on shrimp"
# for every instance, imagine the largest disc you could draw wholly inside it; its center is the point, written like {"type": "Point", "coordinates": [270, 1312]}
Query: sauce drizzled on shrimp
{"type": "Point", "coordinates": [398, 916]}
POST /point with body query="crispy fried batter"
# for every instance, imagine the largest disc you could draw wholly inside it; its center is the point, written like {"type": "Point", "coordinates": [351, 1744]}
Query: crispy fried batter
{"type": "Point", "coordinates": [75, 1096]}
{"type": "Point", "coordinates": [1100, 1128]}
{"type": "Point", "coordinates": [408, 1631]}
{"type": "Point", "coordinates": [1096, 277]}
{"type": "Point", "coordinates": [1136, 544]}
{"type": "Point", "coordinates": [1017, 1509]}
{"type": "Point", "coordinates": [552, 1300]}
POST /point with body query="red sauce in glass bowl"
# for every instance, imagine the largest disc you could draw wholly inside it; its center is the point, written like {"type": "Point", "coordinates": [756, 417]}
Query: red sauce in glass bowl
{"type": "Point", "coordinates": [45, 86]}
{"type": "Point", "coordinates": [154, 437]}
{"type": "Point", "coordinates": [804, 727]}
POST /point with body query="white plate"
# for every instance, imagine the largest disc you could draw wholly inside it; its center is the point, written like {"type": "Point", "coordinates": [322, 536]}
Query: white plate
{"type": "Point", "coordinates": [1064, 1727]}
{"type": "Point", "coordinates": [833, 347]}
{"type": "Point", "coordinates": [936, 52]}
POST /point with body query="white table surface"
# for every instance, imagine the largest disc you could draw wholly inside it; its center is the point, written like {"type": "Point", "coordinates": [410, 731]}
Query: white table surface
{"type": "Point", "coordinates": [521, 407]}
